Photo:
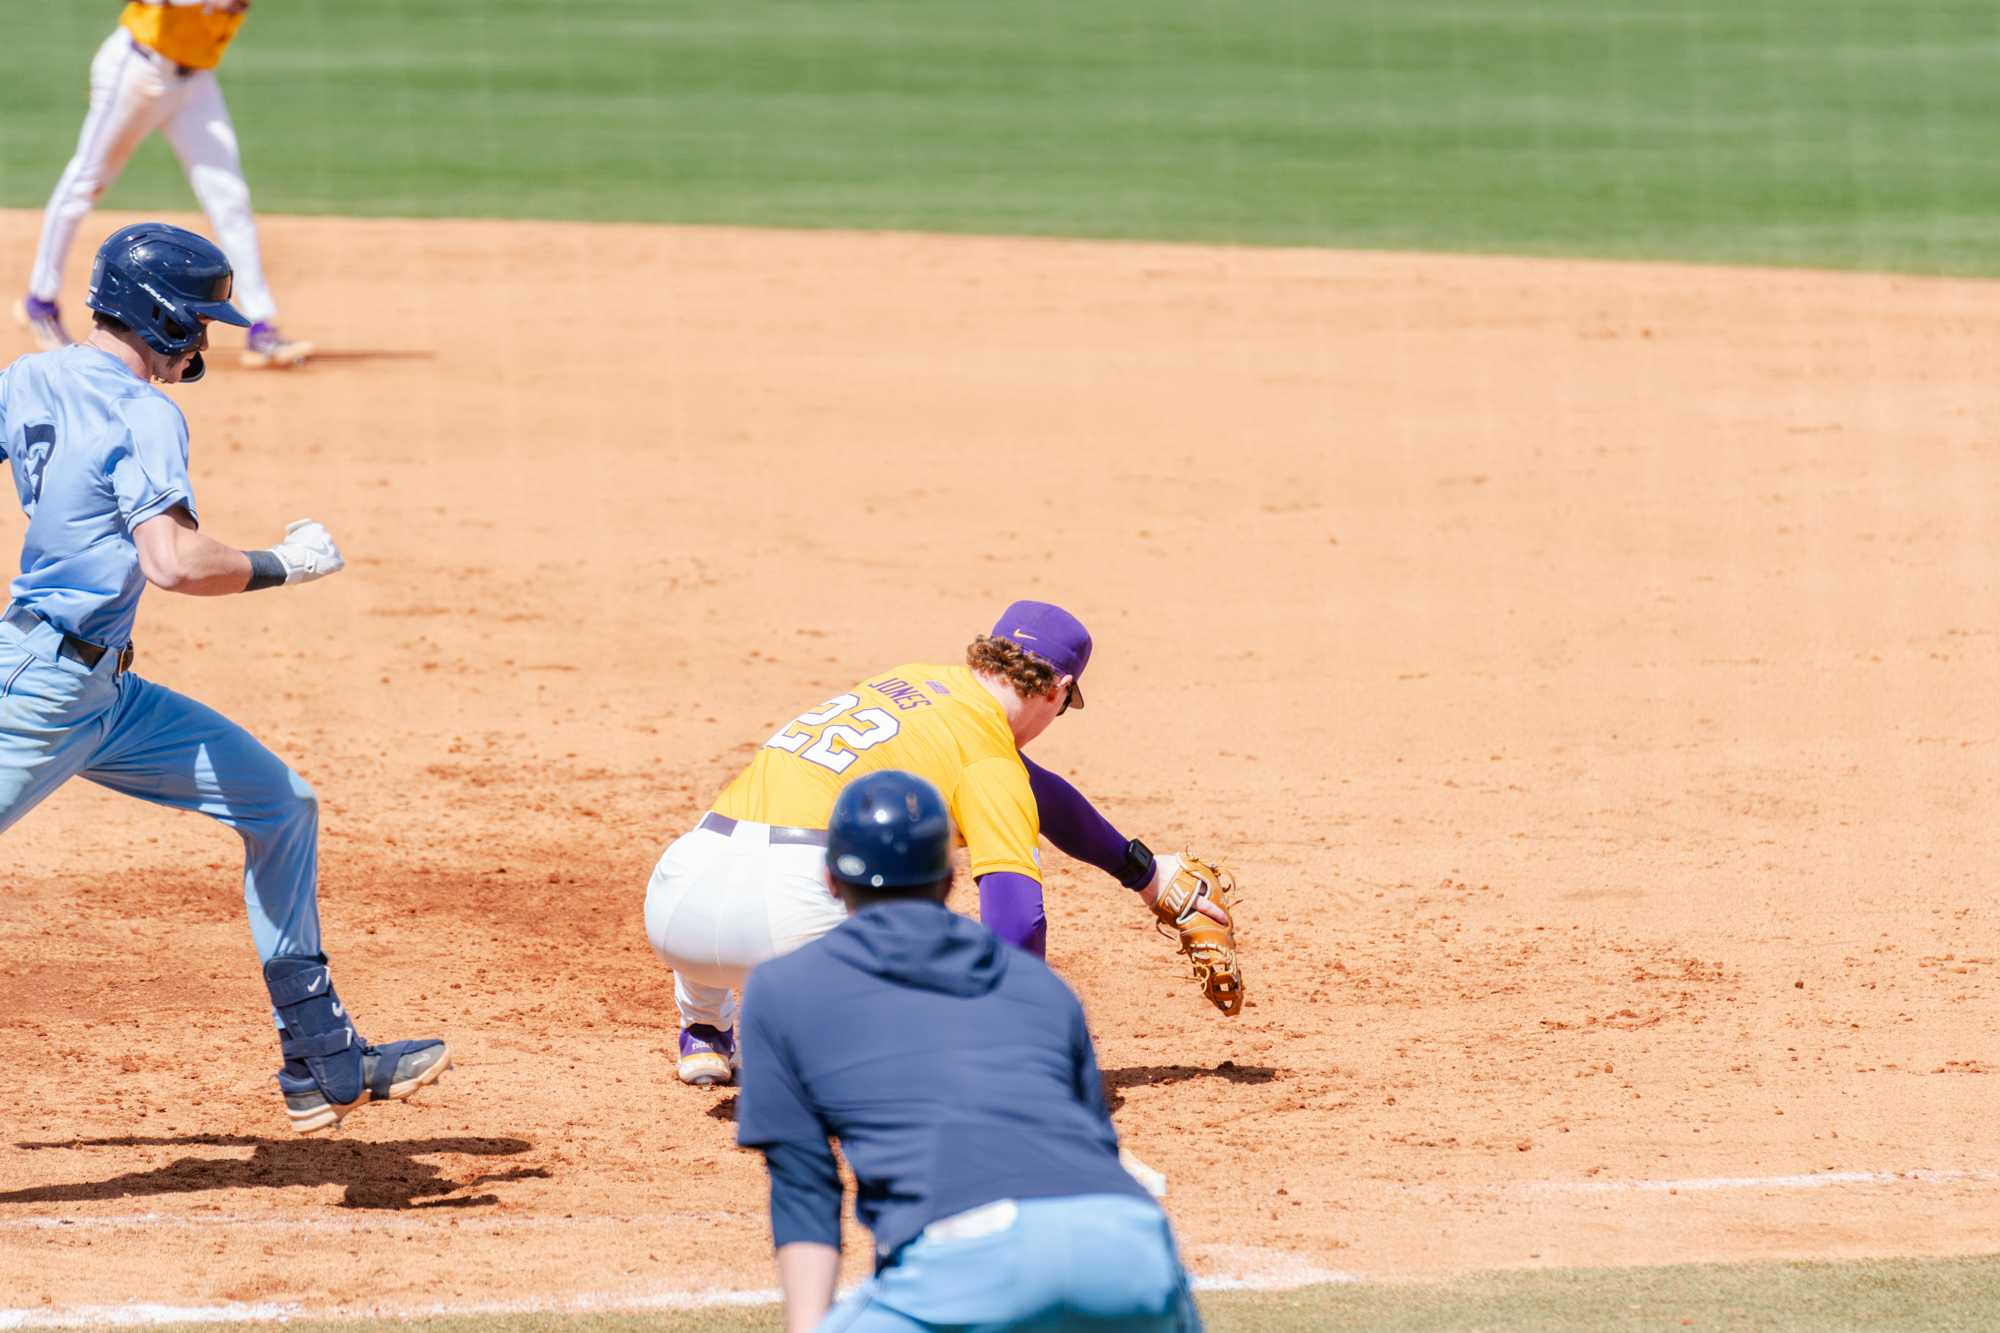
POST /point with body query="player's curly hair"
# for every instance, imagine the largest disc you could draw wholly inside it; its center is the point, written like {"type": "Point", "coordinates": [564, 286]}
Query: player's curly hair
{"type": "Point", "coordinates": [1029, 674]}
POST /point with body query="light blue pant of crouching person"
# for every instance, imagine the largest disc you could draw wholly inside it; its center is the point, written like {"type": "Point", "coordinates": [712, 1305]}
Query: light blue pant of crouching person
{"type": "Point", "coordinates": [1096, 1262]}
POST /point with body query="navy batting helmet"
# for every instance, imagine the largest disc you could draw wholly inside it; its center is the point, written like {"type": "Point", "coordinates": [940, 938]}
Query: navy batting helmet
{"type": "Point", "coordinates": [889, 830]}
{"type": "Point", "coordinates": [161, 282]}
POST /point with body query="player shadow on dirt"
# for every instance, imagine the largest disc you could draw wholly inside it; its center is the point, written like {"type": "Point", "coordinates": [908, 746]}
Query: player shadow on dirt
{"type": "Point", "coordinates": [1142, 1076]}
{"type": "Point", "coordinates": [374, 1175]}
{"type": "Point", "coordinates": [1115, 1082]}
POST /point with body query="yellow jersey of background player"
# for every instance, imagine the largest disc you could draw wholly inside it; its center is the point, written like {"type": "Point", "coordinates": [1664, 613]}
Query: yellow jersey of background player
{"type": "Point", "coordinates": [193, 36]}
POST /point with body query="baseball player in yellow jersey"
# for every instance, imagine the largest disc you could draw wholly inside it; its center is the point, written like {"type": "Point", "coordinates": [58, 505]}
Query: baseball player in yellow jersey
{"type": "Point", "coordinates": [749, 882]}
{"type": "Point", "coordinates": [157, 72]}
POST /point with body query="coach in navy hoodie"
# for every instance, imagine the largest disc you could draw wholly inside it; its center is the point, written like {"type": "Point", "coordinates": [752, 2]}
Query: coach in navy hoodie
{"type": "Point", "coordinates": [959, 1078]}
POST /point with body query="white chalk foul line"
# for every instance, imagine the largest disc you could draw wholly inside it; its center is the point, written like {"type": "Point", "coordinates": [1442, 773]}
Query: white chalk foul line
{"type": "Point", "coordinates": [1810, 1181]}
{"type": "Point", "coordinates": [1254, 1268]}
{"type": "Point", "coordinates": [146, 1315]}
{"type": "Point", "coordinates": [1290, 1273]}
{"type": "Point", "coordinates": [366, 1222]}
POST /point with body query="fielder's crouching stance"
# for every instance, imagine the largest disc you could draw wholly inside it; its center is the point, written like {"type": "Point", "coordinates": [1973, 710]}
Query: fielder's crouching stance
{"type": "Point", "coordinates": [993, 1186]}
{"type": "Point", "coordinates": [747, 883]}
{"type": "Point", "coordinates": [99, 458]}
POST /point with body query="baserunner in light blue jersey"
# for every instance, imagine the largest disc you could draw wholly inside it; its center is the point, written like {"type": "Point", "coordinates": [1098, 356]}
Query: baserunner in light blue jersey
{"type": "Point", "coordinates": [99, 458]}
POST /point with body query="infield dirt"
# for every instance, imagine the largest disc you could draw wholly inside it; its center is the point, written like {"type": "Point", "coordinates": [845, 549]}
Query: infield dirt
{"type": "Point", "coordinates": [1586, 669]}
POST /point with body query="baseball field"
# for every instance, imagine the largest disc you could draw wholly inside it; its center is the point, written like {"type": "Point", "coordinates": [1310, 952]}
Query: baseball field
{"type": "Point", "coordinates": [1530, 469]}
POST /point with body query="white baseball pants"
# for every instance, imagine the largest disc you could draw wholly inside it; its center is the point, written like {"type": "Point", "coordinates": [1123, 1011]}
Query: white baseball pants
{"type": "Point", "coordinates": [134, 91]}
{"type": "Point", "coordinates": [719, 904]}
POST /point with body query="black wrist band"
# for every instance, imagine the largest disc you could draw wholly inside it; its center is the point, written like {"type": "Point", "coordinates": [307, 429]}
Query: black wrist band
{"type": "Point", "coordinates": [266, 571]}
{"type": "Point", "coordinates": [1137, 872]}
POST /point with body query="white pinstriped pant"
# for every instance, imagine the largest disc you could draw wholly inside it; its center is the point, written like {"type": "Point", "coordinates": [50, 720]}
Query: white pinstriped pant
{"type": "Point", "coordinates": [133, 92]}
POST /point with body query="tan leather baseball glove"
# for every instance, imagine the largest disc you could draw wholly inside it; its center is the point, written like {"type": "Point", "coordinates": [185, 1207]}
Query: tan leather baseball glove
{"type": "Point", "coordinates": [1210, 945]}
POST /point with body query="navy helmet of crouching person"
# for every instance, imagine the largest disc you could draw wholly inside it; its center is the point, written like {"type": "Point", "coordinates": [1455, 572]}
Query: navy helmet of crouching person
{"type": "Point", "coordinates": [959, 1077]}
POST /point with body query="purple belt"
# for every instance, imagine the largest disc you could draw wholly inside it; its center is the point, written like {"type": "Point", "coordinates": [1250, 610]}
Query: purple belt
{"type": "Point", "coordinates": [723, 824]}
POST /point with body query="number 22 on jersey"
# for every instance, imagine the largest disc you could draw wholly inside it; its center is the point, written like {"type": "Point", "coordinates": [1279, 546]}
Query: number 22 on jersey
{"type": "Point", "coordinates": [835, 732]}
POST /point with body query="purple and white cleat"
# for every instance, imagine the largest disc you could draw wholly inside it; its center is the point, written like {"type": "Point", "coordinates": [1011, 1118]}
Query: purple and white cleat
{"type": "Point", "coordinates": [708, 1055]}
{"type": "Point", "coordinates": [268, 349]}
{"type": "Point", "coordinates": [43, 322]}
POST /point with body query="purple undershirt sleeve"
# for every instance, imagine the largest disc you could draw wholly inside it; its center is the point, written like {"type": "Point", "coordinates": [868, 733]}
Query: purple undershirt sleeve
{"type": "Point", "coordinates": [1010, 905]}
{"type": "Point", "coordinates": [1072, 823]}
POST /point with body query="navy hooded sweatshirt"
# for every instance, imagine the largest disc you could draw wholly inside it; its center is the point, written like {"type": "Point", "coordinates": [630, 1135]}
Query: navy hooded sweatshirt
{"type": "Point", "coordinates": [954, 1070]}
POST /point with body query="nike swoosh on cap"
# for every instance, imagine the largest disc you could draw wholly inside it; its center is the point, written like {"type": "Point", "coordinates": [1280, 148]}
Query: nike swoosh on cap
{"type": "Point", "coordinates": [1021, 634]}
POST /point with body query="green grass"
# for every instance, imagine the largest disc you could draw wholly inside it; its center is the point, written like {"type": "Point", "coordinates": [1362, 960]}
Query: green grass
{"type": "Point", "coordinates": [1930, 1294]}
{"type": "Point", "coordinates": [1840, 133]}
{"type": "Point", "coordinates": [1948, 1294]}
{"type": "Point", "coordinates": [1822, 132]}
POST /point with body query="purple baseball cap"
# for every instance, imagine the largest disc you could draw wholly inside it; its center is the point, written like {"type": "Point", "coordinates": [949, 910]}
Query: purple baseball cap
{"type": "Point", "coordinates": [1052, 634]}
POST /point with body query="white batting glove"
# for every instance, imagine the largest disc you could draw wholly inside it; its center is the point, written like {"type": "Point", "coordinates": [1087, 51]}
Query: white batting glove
{"type": "Point", "coordinates": [308, 552]}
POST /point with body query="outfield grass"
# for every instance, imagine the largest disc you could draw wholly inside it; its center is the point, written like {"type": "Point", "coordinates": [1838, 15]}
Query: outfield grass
{"type": "Point", "coordinates": [1951, 1294]}
{"type": "Point", "coordinates": [1930, 1294]}
{"type": "Point", "coordinates": [1849, 133]}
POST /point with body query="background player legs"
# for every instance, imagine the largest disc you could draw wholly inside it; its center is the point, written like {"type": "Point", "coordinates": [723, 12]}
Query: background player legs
{"type": "Point", "coordinates": [165, 748]}
{"type": "Point", "coordinates": [129, 99]}
{"type": "Point", "coordinates": [204, 139]}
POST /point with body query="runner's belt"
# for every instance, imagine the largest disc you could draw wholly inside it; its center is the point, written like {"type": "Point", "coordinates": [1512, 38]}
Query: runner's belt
{"type": "Point", "coordinates": [81, 651]}
{"type": "Point", "coordinates": [723, 824]}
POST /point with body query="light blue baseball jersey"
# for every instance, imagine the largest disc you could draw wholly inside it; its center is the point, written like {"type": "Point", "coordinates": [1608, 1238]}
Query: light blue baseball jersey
{"type": "Point", "coordinates": [95, 451]}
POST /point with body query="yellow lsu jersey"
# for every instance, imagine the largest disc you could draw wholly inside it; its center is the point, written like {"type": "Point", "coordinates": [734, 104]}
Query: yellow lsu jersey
{"type": "Point", "coordinates": [185, 34]}
{"type": "Point", "coordinates": [937, 722]}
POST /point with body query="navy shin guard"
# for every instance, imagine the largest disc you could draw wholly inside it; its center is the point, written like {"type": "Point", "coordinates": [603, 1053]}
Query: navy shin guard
{"type": "Point", "coordinates": [320, 1042]}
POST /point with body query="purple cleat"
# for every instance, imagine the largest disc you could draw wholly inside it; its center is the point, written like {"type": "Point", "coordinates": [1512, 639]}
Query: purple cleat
{"type": "Point", "coordinates": [268, 349]}
{"type": "Point", "coordinates": [708, 1055]}
{"type": "Point", "coordinates": [43, 322]}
